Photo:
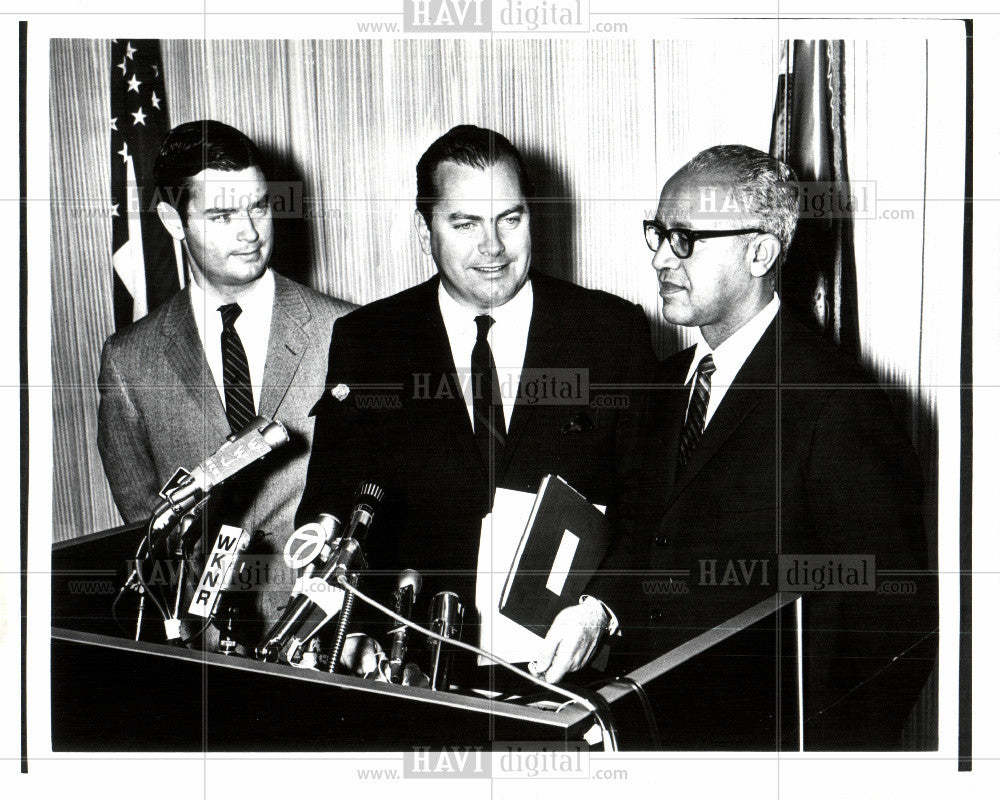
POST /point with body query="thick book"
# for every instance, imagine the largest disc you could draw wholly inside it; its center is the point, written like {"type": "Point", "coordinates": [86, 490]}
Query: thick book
{"type": "Point", "coordinates": [561, 548]}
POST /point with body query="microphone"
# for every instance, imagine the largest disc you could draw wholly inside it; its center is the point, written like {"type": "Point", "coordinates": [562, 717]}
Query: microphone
{"type": "Point", "coordinates": [369, 498]}
{"type": "Point", "coordinates": [312, 543]}
{"type": "Point", "coordinates": [408, 586]}
{"type": "Point", "coordinates": [185, 490]}
{"type": "Point", "coordinates": [358, 525]}
{"type": "Point", "coordinates": [446, 620]}
{"type": "Point", "coordinates": [317, 598]}
{"type": "Point", "coordinates": [219, 570]}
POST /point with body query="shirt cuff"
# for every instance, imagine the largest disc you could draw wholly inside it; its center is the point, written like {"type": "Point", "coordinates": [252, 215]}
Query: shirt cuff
{"type": "Point", "coordinates": [613, 627]}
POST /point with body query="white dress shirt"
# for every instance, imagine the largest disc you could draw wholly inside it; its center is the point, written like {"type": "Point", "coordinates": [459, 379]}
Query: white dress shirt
{"type": "Point", "coordinates": [508, 338]}
{"type": "Point", "coordinates": [730, 356]}
{"type": "Point", "coordinates": [253, 326]}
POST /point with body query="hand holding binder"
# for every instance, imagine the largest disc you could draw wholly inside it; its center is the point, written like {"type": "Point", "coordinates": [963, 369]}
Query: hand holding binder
{"type": "Point", "coordinates": [561, 548]}
{"type": "Point", "coordinates": [571, 641]}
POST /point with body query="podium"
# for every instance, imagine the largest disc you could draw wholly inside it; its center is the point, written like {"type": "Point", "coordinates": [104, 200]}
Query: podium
{"type": "Point", "coordinates": [110, 693]}
{"type": "Point", "coordinates": [116, 695]}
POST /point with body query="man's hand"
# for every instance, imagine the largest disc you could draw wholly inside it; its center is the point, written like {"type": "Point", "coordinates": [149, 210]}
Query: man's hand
{"type": "Point", "coordinates": [572, 640]}
{"type": "Point", "coordinates": [360, 654]}
{"type": "Point", "coordinates": [363, 656]}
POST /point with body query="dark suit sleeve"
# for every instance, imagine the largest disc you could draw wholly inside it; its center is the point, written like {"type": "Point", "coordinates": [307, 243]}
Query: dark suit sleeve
{"type": "Point", "coordinates": [615, 583]}
{"type": "Point", "coordinates": [612, 583]}
{"type": "Point", "coordinates": [124, 444]}
{"type": "Point", "coordinates": [345, 438]}
{"type": "Point", "coordinates": [637, 353]}
{"type": "Point", "coordinates": [868, 653]}
{"type": "Point", "coordinates": [638, 370]}
{"type": "Point", "coordinates": [863, 479]}
{"type": "Point", "coordinates": [644, 361]}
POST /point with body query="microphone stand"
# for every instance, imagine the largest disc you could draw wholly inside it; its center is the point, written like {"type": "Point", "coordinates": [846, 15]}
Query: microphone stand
{"type": "Point", "coordinates": [304, 616]}
{"type": "Point", "coordinates": [181, 530]}
{"type": "Point", "coordinates": [135, 582]}
{"type": "Point", "coordinates": [342, 623]}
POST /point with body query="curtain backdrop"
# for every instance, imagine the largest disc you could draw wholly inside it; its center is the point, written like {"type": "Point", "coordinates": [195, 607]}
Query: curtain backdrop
{"type": "Point", "coordinates": [603, 123]}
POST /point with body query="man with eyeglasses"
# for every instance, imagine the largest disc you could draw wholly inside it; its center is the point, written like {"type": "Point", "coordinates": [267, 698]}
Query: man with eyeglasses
{"type": "Point", "coordinates": [767, 462]}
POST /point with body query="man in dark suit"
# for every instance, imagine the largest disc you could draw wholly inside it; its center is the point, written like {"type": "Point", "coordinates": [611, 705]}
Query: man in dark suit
{"type": "Point", "coordinates": [769, 462]}
{"type": "Point", "coordinates": [489, 374]}
{"type": "Point", "coordinates": [172, 388]}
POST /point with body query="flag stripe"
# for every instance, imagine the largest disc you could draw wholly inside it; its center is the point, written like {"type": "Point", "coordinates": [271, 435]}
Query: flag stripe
{"type": "Point", "coordinates": [144, 255]}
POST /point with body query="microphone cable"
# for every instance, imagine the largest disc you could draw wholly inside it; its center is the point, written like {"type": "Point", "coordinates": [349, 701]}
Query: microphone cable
{"type": "Point", "coordinates": [140, 556]}
{"type": "Point", "coordinates": [142, 552]}
{"type": "Point", "coordinates": [607, 731]}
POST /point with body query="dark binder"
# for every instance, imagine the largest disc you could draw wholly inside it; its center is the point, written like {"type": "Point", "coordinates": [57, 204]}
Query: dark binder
{"type": "Point", "coordinates": [561, 548]}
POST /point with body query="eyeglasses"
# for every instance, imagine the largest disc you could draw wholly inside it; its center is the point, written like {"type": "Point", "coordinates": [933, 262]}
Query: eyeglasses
{"type": "Point", "coordinates": [681, 239]}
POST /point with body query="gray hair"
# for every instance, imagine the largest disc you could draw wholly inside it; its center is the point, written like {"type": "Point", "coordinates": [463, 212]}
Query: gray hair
{"type": "Point", "coordinates": [764, 187]}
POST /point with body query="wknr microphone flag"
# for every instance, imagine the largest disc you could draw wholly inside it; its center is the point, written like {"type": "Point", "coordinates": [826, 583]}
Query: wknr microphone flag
{"type": "Point", "coordinates": [148, 268]}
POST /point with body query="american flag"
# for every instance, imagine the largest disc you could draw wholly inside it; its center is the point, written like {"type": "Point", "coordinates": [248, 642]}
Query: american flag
{"type": "Point", "coordinates": [148, 265]}
{"type": "Point", "coordinates": [818, 279]}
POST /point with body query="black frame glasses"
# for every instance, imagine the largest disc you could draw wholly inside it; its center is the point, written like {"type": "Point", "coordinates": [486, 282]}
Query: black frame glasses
{"type": "Point", "coordinates": [682, 239]}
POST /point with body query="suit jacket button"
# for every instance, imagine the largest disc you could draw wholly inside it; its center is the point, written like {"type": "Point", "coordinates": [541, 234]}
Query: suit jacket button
{"type": "Point", "coordinates": [661, 540]}
{"type": "Point", "coordinates": [655, 616]}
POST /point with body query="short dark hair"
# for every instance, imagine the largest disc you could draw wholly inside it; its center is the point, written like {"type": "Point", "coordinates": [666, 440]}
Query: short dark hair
{"type": "Point", "coordinates": [472, 146]}
{"type": "Point", "coordinates": [194, 146]}
{"type": "Point", "coordinates": [766, 187]}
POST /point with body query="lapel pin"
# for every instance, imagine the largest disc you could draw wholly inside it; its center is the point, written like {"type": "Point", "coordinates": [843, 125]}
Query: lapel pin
{"type": "Point", "coordinates": [340, 391]}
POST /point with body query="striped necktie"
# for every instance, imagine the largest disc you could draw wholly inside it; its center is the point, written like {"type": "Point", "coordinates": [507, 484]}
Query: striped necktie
{"type": "Point", "coordinates": [240, 408]}
{"type": "Point", "coordinates": [694, 425]}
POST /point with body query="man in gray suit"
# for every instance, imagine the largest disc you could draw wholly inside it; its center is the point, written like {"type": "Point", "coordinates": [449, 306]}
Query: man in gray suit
{"type": "Point", "coordinates": [240, 340]}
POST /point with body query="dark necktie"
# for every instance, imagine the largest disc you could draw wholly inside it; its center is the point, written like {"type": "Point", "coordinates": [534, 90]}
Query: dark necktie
{"type": "Point", "coordinates": [235, 372]}
{"type": "Point", "coordinates": [487, 405]}
{"type": "Point", "coordinates": [694, 425]}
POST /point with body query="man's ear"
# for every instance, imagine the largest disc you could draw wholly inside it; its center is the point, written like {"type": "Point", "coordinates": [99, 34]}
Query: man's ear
{"type": "Point", "coordinates": [423, 232]}
{"type": "Point", "coordinates": [171, 220]}
{"type": "Point", "coordinates": [764, 251]}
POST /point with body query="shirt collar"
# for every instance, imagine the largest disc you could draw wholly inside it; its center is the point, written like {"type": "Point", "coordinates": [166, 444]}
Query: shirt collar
{"type": "Point", "coordinates": [732, 353]}
{"type": "Point", "coordinates": [457, 316]}
{"type": "Point", "coordinates": [258, 300]}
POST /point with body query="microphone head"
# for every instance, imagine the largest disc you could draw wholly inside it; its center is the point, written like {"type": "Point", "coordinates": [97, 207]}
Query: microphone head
{"type": "Point", "coordinates": [253, 426]}
{"type": "Point", "coordinates": [446, 608]}
{"type": "Point", "coordinates": [274, 433]}
{"type": "Point", "coordinates": [370, 493]}
{"type": "Point", "coordinates": [409, 578]}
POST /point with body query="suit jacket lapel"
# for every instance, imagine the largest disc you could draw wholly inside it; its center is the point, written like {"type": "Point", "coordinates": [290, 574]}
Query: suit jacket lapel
{"type": "Point", "coordinates": [544, 343]}
{"type": "Point", "coordinates": [669, 412]}
{"type": "Point", "coordinates": [286, 344]}
{"type": "Point", "coordinates": [756, 374]}
{"type": "Point", "coordinates": [432, 349]}
{"type": "Point", "coordinates": [183, 350]}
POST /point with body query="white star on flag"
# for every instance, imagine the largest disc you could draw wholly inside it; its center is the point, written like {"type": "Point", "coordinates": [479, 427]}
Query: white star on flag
{"type": "Point", "coordinates": [148, 265]}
